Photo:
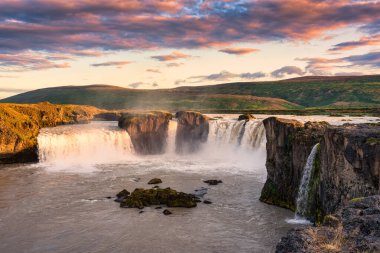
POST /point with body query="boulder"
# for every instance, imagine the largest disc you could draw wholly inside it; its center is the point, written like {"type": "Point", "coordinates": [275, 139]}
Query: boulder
{"type": "Point", "coordinates": [155, 181]}
{"type": "Point", "coordinates": [192, 131]}
{"type": "Point", "coordinates": [246, 117]}
{"type": "Point", "coordinates": [148, 130]}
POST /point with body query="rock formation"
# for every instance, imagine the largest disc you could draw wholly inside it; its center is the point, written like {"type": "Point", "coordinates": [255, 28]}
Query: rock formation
{"type": "Point", "coordinates": [246, 117]}
{"type": "Point", "coordinates": [192, 131]}
{"type": "Point", "coordinates": [346, 166]}
{"type": "Point", "coordinates": [148, 131]}
{"type": "Point", "coordinates": [20, 125]}
{"type": "Point", "coordinates": [355, 228]}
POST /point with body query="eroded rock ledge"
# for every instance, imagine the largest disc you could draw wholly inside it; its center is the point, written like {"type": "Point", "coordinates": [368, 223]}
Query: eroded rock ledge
{"type": "Point", "coordinates": [20, 125]}
{"type": "Point", "coordinates": [347, 164]}
{"type": "Point", "coordinates": [148, 130]}
{"type": "Point", "coordinates": [192, 131]}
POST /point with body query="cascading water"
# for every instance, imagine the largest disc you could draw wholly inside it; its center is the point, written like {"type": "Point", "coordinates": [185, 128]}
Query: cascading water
{"type": "Point", "coordinates": [73, 145]}
{"type": "Point", "coordinates": [303, 191]}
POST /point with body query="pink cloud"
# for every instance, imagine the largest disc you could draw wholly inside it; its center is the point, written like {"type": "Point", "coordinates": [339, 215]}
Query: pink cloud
{"type": "Point", "coordinates": [238, 51]}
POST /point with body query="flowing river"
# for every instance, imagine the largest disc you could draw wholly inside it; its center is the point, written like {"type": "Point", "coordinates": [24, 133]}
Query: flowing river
{"type": "Point", "coordinates": [62, 204]}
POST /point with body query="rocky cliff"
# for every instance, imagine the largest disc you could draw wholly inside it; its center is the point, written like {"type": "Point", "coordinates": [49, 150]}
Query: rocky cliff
{"type": "Point", "coordinates": [346, 166]}
{"type": "Point", "coordinates": [192, 131]}
{"type": "Point", "coordinates": [148, 130]}
{"type": "Point", "coordinates": [20, 125]}
{"type": "Point", "coordinates": [355, 228]}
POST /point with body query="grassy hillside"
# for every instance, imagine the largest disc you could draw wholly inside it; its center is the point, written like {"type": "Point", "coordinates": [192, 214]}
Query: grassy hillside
{"type": "Point", "coordinates": [298, 93]}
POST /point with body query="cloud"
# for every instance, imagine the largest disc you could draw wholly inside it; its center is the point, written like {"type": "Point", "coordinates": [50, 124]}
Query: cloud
{"type": "Point", "coordinates": [238, 51]}
{"type": "Point", "coordinates": [287, 70]}
{"type": "Point", "coordinates": [171, 57]}
{"type": "Point", "coordinates": [364, 41]}
{"type": "Point", "coordinates": [111, 63]}
{"type": "Point", "coordinates": [174, 64]}
{"type": "Point", "coordinates": [135, 85]}
{"type": "Point", "coordinates": [29, 61]}
{"type": "Point", "coordinates": [90, 28]}
{"type": "Point", "coordinates": [7, 76]}
{"type": "Point", "coordinates": [153, 71]}
{"type": "Point", "coordinates": [370, 59]}
{"type": "Point", "coordinates": [154, 84]}
{"type": "Point", "coordinates": [222, 76]}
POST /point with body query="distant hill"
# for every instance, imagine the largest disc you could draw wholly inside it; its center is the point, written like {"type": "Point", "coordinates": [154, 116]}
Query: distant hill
{"type": "Point", "coordinates": [296, 93]}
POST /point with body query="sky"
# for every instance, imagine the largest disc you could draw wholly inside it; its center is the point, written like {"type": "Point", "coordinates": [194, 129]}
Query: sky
{"type": "Point", "coordinates": [148, 44]}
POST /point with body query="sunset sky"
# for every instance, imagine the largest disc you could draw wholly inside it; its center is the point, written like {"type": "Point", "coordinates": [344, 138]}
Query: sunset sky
{"type": "Point", "coordinates": [164, 44]}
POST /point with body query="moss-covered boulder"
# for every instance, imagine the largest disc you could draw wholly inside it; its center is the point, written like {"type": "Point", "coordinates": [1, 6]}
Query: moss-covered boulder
{"type": "Point", "coordinates": [148, 130]}
{"type": "Point", "coordinates": [141, 198]}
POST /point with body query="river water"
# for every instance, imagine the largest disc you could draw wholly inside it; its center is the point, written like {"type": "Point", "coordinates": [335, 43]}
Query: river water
{"type": "Point", "coordinates": [61, 204]}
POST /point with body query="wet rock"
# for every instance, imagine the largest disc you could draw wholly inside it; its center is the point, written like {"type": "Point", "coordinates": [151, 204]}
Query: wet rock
{"type": "Point", "coordinates": [122, 195]}
{"type": "Point", "coordinates": [246, 117]}
{"type": "Point", "coordinates": [108, 197]}
{"type": "Point", "coordinates": [141, 212]}
{"type": "Point", "coordinates": [148, 130]}
{"type": "Point", "coordinates": [158, 207]}
{"type": "Point", "coordinates": [200, 192]}
{"type": "Point", "coordinates": [155, 181]}
{"type": "Point", "coordinates": [192, 131]}
{"type": "Point", "coordinates": [207, 201]}
{"type": "Point", "coordinates": [167, 212]}
{"type": "Point", "coordinates": [213, 182]}
{"type": "Point", "coordinates": [169, 197]}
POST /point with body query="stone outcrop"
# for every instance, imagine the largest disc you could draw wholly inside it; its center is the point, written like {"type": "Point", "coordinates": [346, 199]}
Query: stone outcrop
{"type": "Point", "coordinates": [346, 166]}
{"type": "Point", "coordinates": [355, 228]}
{"type": "Point", "coordinates": [20, 125]}
{"type": "Point", "coordinates": [192, 131]}
{"type": "Point", "coordinates": [289, 143]}
{"type": "Point", "coordinates": [246, 117]}
{"type": "Point", "coordinates": [148, 130]}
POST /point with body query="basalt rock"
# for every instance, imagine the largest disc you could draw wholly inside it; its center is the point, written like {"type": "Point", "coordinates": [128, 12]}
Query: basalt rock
{"type": "Point", "coordinates": [347, 164]}
{"type": "Point", "coordinates": [355, 228]}
{"type": "Point", "coordinates": [148, 131]}
{"type": "Point", "coordinates": [213, 182]}
{"type": "Point", "coordinates": [246, 117]}
{"type": "Point", "coordinates": [20, 125]}
{"type": "Point", "coordinates": [141, 198]}
{"type": "Point", "coordinates": [155, 181]}
{"type": "Point", "coordinates": [289, 143]}
{"type": "Point", "coordinates": [192, 131]}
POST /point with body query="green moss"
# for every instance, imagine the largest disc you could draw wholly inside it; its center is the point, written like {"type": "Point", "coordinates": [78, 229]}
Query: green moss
{"type": "Point", "coordinates": [373, 141]}
{"type": "Point", "coordinates": [271, 195]}
{"type": "Point", "coordinates": [354, 200]}
{"type": "Point", "coordinates": [140, 198]}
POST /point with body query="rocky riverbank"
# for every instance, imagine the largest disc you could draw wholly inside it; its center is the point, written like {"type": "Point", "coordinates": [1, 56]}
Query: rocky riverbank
{"type": "Point", "coordinates": [20, 125]}
{"type": "Point", "coordinates": [355, 228]}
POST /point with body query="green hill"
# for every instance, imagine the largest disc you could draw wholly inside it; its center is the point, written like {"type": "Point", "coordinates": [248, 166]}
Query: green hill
{"type": "Point", "coordinates": [298, 93]}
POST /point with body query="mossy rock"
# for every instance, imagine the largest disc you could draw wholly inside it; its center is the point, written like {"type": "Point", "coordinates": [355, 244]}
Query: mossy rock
{"type": "Point", "coordinates": [155, 181]}
{"type": "Point", "coordinates": [140, 198]}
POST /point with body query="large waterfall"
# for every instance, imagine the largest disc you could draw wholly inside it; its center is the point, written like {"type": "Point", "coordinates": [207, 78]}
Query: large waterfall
{"type": "Point", "coordinates": [94, 143]}
{"type": "Point", "coordinates": [74, 146]}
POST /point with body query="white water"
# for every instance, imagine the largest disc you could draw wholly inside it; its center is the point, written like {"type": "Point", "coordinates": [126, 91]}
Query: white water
{"type": "Point", "coordinates": [68, 148]}
{"type": "Point", "coordinates": [303, 192]}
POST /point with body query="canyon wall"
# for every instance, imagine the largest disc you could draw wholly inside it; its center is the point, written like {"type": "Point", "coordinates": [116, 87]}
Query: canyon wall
{"type": "Point", "coordinates": [192, 131]}
{"type": "Point", "coordinates": [346, 165]}
{"type": "Point", "coordinates": [148, 130]}
{"type": "Point", "coordinates": [20, 125]}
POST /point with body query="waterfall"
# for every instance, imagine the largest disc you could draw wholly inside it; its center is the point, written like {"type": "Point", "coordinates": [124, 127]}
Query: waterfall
{"type": "Point", "coordinates": [94, 143]}
{"type": "Point", "coordinates": [248, 135]}
{"type": "Point", "coordinates": [170, 147]}
{"type": "Point", "coordinates": [303, 190]}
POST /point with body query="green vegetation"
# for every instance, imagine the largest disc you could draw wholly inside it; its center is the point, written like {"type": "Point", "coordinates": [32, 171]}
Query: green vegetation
{"type": "Point", "coordinates": [293, 94]}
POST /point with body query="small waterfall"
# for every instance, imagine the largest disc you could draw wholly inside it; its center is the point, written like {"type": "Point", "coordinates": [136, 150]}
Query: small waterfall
{"type": "Point", "coordinates": [170, 147]}
{"type": "Point", "coordinates": [94, 143]}
{"type": "Point", "coordinates": [303, 191]}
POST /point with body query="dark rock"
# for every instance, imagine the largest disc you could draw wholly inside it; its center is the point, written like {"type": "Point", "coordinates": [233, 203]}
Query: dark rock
{"type": "Point", "coordinates": [155, 181]}
{"type": "Point", "coordinates": [158, 207]}
{"type": "Point", "coordinates": [351, 230]}
{"type": "Point", "coordinates": [167, 212]}
{"type": "Point", "coordinates": [108, 197]}
{"type": "Point", "coordinates": [192, 131]}
{"type": "Point", "coordinates": [169, 197]}
{"type": "Point", "coordinates": [122, 195]}
{"type": "Point", "coordinates": [207, 201]}
{"type": "Point", "coordinates": [246, 117]}
{"type": "Point", "coordinates": [213, 182]}
{"type": "Point", "coordinates": [141, 212]}
{"type": "Point", "coordinates": [148, 131]}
